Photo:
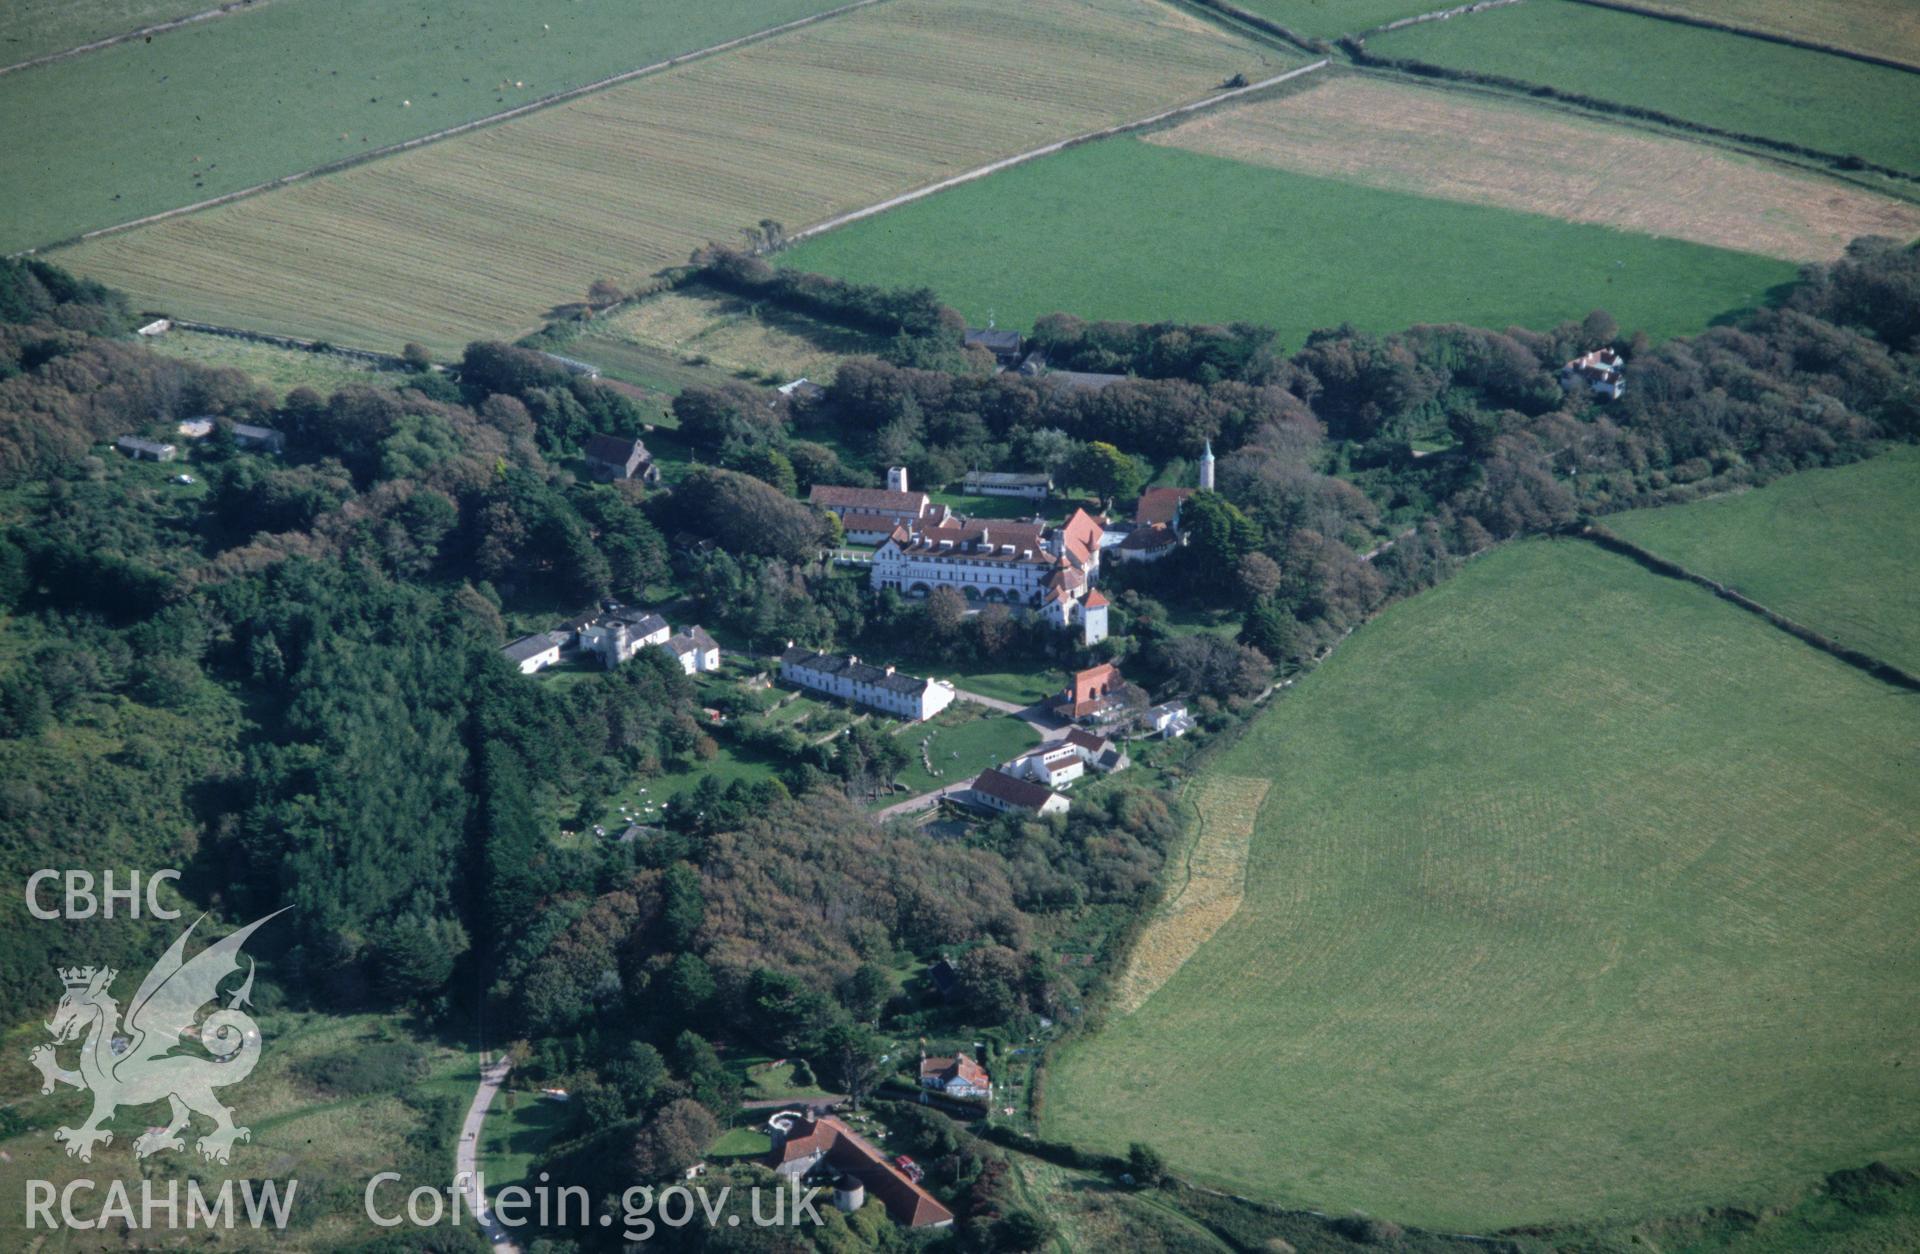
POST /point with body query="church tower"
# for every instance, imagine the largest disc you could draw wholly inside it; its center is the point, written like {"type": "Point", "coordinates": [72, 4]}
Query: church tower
{"type": "Point", "coordinates": [1206, 468]}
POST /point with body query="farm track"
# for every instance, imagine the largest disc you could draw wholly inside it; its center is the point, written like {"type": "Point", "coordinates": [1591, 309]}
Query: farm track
{"type": "Point", "coordinates": [145, 32]}
{"type": "Point", "coordinates": [448, 132]}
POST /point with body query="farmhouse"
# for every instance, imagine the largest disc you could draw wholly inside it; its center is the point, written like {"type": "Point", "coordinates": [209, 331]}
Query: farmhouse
{"type": "Point", "coordinates": [1003, 793]}
{"type": "Point", "coordinates": [958, 1076]}
{"type": "Point", "coordinates": [535, 652]}
{"type": "Point", "coordinates": [1602, 372]}
{"type": "Point", "coordinates": [619, 634]}
{"type": "Point", "coordinates": [697, 652]}
{"type": "Point", "coordinates": [870, 515]}
{"type": "Point", "coordinates": [1094, 693]}
{"type": "Point", "coordinates": [145, 450]}
{"type": "Point", "coordinates": [611, 457]}
{"type": "Point", "coordinates": [1170, 721]}
{"type": "Point", "coordinates": [1000, 483]}
{"type": "Point", "coordinates": [850, 679]}
{"type": "Point", "coordinates": [1096, 751]}
{"type": "Point", "coordinates": [803, 1143]}
{"type": "Point", "coordinates": [246, 435]}
{"type": "Point", "coordinates": [1054, 764]}
{"type": "Point", "coordinates": [1004, 345]}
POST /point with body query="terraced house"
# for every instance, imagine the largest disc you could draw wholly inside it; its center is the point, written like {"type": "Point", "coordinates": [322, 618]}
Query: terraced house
{"type": "Point", "coordinates": [850, 679]}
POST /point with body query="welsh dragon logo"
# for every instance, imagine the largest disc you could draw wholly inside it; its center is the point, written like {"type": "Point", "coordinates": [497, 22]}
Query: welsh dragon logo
{"type": "Point", "coordinates": [139, 1067]}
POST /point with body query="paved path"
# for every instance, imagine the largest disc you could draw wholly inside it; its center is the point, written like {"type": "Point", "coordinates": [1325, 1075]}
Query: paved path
{"type": "Point", "coordinates": [465, 1165]}
{"type": "Point", "coordinates": [924, 801]}
{"type": "Point", "coordinates": [824, 1102]}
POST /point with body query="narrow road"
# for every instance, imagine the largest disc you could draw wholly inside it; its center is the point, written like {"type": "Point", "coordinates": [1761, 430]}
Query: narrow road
{"type": "Point", "coordinates": [925, 800]}
{"type": "Point", "coordinates": [466, 1165]}
{"type": "Point", "coordinates": [1040, 714]}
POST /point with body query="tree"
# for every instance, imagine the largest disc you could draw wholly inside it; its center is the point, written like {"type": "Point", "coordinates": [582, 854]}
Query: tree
{"type": "Point", "coordinates": [418, 359]}
{"type": "Point", "coordinates": [604, 292]}
{"type": "Point", "coordinates": [673, 1140]}
{"type": "Point", "coordinates": [1145, 1165]}
{"type": "Point", "coordinates": [1019, 1231]}
{"type": "Point", "coordinates": [1259, 577]}
{"type": "Point", "coordinates": [852, 1053]}
{"type": "Point", "coordinates": [989, 980]}
{"type": "Point", "coordinates": [1107, 472]}
{"type": "Point", "coordinates": [946, 610]}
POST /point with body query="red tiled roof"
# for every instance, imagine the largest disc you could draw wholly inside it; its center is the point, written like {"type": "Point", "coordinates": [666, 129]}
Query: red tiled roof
{"type": "Point", "coordinates": [873, 500]}
{"type": "Point", "coordinates": [1085, 739]}
{"type": "Point", "coordinates": [1154, 536]}
{"type": "Point", "coordinates": [1096, 599]}
{"type": "Point", "coordinates": [1159, 505]}
{"type": "Point", "coordinates": [958, 1067]}
{"type": "Point", "coordinates": [848, 1151]}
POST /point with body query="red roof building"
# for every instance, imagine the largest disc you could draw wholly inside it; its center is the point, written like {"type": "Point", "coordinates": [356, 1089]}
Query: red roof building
{"type": "Point", "coordinates": [1092, 691]}
{"type": "Point", "coordinates": [809, 1142]}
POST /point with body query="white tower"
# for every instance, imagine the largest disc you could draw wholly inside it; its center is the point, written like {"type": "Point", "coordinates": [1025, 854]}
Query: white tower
{"type": "Point", "coordinates": [1206, 468]}
{"type": "Point", "coordinates": [896, 478]}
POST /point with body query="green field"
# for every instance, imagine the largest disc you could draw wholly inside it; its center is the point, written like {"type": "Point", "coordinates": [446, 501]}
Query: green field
{"type": "Point", "coordinates": [1021, 687]}
{"type": "Point", "coordinates": [489, 233]}
{"type": "Point", "coordinates": [1330, 19]}
{"type": "Point", "coordinates": [139, 128]}
{"type": "Point", "coordinates": [1723, 80]}
{"type": "Point", "coordinates": [277, 369]}
{"type": "Point", "coordinates": [37, 28]}
{"type": "Point", "coordinates": [1578, 894]}
{"type": "Point", "coordinates": [1204, 239]}
{"type": "Point", "coordinates": [1833, 550]}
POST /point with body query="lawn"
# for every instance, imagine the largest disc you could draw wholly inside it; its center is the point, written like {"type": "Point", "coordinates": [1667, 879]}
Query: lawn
{"type": "Point", "coordinates": [211, 108]}
{"type": "Point", "coordinates": [1203, 239]}
{"type": "Point", "coordinates": [771, 1079]}
{"type": "Point", "coordinates": [1830, 549]}
{"type": "Point", "coordinates": [992, 506]}
{"type": "Point", "coordinates": [1738, 84]}
{"type": "Point", "coordinates": [740, 1143]}
{"type": "Point", "coordinates": [488, 233]}
{"type": "Point", "coordinates": [519, 1126]}
{"type": "Point", "coordinates": [964, 739]}
{"type": "Point", "coordinates": [280, 370]}
{"type": "Point", "coordinates": [1577, 894]}
{"type": "Point", "coordinates": [1489, 149]}
{"type": "Point", "coordinates": [1020, 687]}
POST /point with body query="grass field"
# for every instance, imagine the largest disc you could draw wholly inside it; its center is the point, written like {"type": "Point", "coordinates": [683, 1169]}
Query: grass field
{"type": "Point", "coordinates": [1481, 149]}
{"type": "Point", "coordinates": [1579, 893]}
{"type": "Point", "coordinates": [1023, 687]}
{"type": "Point", "coordinates": [519, 1126]}
{"type": "Point", "coordinates": [485, 234]}
{"type": "Point", "coordinates": [1881, 28]}
{"type": "Point", "coordinates": [211, 108]}
{"type": "Point", "coordinates": [36, 28]}
{"type": "Point", "coordinates": [1728, 81]}
{"type": "Point", "coordinates": [1203, 239]}
{"type": "Point", "coordinates": [992, 506]}
{"type": "Point", "coordinates": [1333, 18]}
{"type": "Point", "coordinates": [278, 369]}
{"type": "Point", "coordinates": [326, 1140]}
{"type": "Point", "coordinates": [1833, 550]}
{"type": "Point", "coordinates": [697, 326]}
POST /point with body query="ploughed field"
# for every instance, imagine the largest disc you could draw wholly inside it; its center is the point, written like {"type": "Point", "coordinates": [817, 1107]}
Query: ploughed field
{"type": "Point", "coordinates": [1732, 82]}
{"type": "Point", "coordinates": [139, 128]}
{"type": "Point", "coordinates": [1200, 238]}
{"type": "Point", "coordinates": [485, 234]}
{"type": "Point", "coordinates": [1577, 893]}
{"type": "Point", "coordinates": [1482, 149]}
{"type": "Point", "coordinates": [1831, 549]}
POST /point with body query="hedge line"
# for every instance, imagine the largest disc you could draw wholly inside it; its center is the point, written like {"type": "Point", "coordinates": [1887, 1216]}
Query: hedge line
{"type": "Point", "coordinates": [1357, 49]}
{"type": "Point", "coordinates": [1707, 23]}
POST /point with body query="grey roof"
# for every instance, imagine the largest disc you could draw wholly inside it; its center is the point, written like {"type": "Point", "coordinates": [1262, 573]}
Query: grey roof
{"type": "Point", "coordinates": [992, 338]}
{"type": "Point", "coordinates": [614, 449]}
{"type": "Point", "coordinates": [1009, 479]}
{"type": "Point", "coordinates": [527, 646]}
{"type": "Point", "coordinates": [693, 640]}
{"type": "Point", "coordinates": [247, 431]}
{"type": "Point", "coordinates": [144, 446]}
{"type": "Point", "coordinates": [1086, 381]}
{"type": "Point", "coordinates": [641, 622]}
{"type": "Point", "coordinates": [855, 670]}
{"type": "Point", "coordinates": [1019, 792]}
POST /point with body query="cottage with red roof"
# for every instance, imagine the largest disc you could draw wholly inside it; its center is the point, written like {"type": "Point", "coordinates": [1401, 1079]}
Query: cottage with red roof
{"type": "Point", "coordinates": [1008, 794]}
{"type": "Point", "coordinates": [803, 1144]}
{"type": "Point", "coordinates": [958, 1076]}
{"type": "Point", "coordinates": [870, 515]}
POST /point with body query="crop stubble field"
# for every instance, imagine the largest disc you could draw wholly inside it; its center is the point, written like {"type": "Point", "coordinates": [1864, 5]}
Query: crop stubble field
{"type": "Point", "coordinates": [1332, 18]}
{"type": "Point", "coordinates": [1199, 238]}
{"type": "Point", "coordinates": [1486, 150]}
{"type": "Point", "coordinates": [139, 128]}
{"type": "Point", "coordinates": [1578, 893]}
{"type": "Point", "coordinates": [1747, 86]}
{"type": "Point", "coordinates": [1831, 549]}
{"type": "Point", "coordinates": [733, 334]}
{"type": "Point", "coordinates": [1881, 28]}
{"type": "Point", "coordinates": [483, 234]}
